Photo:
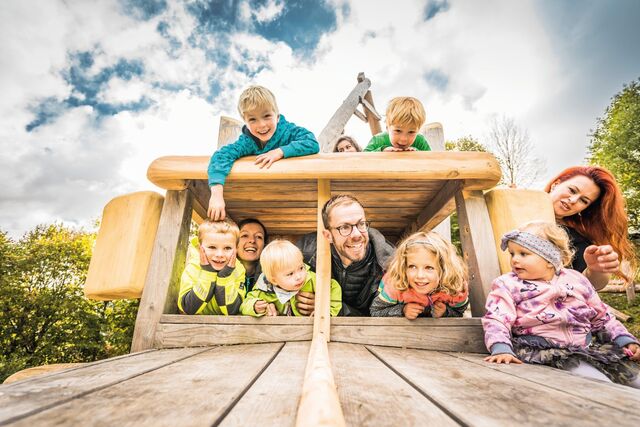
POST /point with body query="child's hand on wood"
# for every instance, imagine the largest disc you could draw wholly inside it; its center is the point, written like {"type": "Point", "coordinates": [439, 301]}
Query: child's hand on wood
{"type": "Point", "coordinates": [503, 358]}
{"type": "Point", "coordinates": [439, 309]}
{"type": "Point", "coordinates": [260, 306]}
{"type": "Point", "coordinates": [266, 159]}
{"type": "Point", "coordinates": [272, 310]}
{"type": "Point", "coordinates": [412, 310]}
{"type": "Point", "coordinates": [216, 204]}
{"type": "Point", "coordinates": [633, 351]}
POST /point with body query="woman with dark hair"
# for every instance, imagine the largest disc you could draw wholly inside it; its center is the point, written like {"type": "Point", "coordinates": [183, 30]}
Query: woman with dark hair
{"type": "Point", "coordinates": [346, 144]}
{"type": "Point", "coordinates": [588, 202]}
{"type": "Point", "coordinates": [253, 238]}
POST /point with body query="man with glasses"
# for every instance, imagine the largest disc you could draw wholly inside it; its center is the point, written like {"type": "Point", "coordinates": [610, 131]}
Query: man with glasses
{"type": "Point", "coordinates": [359, 255]}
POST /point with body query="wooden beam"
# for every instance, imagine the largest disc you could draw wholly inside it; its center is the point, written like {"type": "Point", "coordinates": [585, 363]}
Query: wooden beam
{"type": "Point", "coordinates": [374, 122]}
{"type": "Point", "coordinates": [319, 404]}
{"type": "Point", "coordinates": [359, 115]}
{"type": "Point", "coordinates": [228, 131]}
{"type": "Point", "coordinates": [369, 107]}
{"type": "Point", "coordinates": [321, 321]}
{"type": "Point", "coordinates": [434, 134]}
{"type": "Point", "coordinates": [201, 194]}
{"type": "Point", "coordinates": [476, 236]}
{"type": "Point", "coordinates": [160, 294]}
{"type": "Point", "coordinates": [438, 208]}
{"type": "Point", "coordinates": [335, 126]}
{"type": "Point", "coordinates": [480, 171]}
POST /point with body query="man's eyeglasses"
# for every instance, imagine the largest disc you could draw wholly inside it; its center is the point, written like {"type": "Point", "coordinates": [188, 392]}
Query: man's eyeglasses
{"type": "Point", "coordinates": [345, 230]}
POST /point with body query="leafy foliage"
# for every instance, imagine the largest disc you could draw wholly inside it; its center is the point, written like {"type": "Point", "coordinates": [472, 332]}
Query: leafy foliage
{"type": "Point", "coordinates": [615, 144]}
{"type": "Point", "coordinates": [466, 143]}
{"type": "Point", "coordinates": [44, 316]}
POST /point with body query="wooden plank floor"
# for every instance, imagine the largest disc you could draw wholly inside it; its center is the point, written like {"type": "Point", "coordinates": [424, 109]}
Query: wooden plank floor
{"type": "Point", "coordinates": [260, 384]}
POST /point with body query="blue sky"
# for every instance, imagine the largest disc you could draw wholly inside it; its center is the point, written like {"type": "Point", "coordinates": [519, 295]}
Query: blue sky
{"type": "Point", "coordinates": [94, 91]}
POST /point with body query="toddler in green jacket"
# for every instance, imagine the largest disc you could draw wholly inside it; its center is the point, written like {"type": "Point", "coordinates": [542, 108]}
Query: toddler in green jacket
{"type": "Point", "coordinates": [404, 118]}
{"type": "Point", "coordinates": [266, 134]}
{"type": "Point", "coordinates": [284, 274]}
{"type": "Point", "coordinates": [213, 280]}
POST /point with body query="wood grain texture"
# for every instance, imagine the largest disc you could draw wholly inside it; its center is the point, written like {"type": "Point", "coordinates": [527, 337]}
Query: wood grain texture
{"type": "Point", "coordinates": [319, 403]}
{"type": "Point", "coordinates": [481, 396]}
{"type": "Point", "coordinates": [335, 126]}
{"type": "Point", "coordinates": [478, 170]}
{"type": "Point", "coordinates": [273, 399]}
{"type": "Point", "coordinates": [37, 371]}
{"type": "Point", "coordinates": [373, 117]}
{"type": "Point", "coordinates": [197, 391]}
{"type": "Point", "coordinates": [323, 269]}
{"type": "Point", "coordinates": [435, 135]}
{"type": "Point", "coordinates": [160, 293]}
{"type": "Point", "coordinates": [373, 395]}
{"type": "Point", "coordinates": [236, 320]}
{"type": "Point", "coordinates": [228, 131]}
{"type": "Point", "coordinates": [123, 247]}
{"type": "Point", "coordinates": [437, 210]}
{"type": "Point", "coordinates": [616, 396]}
{"type": "Point", "coordinates": [478, 247]}
{"type": "Point", "coordinates": [35, 395]}
{"type": "Point", "coordinates": [171, 335]}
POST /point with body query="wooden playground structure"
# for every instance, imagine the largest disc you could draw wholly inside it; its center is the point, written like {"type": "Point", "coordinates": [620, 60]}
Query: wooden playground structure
{"type": "Point", "coordinates": [239, 370]}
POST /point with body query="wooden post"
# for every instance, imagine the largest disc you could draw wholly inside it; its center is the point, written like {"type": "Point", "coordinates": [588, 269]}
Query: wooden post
{"type": "Point", "coordinates": [322, 316]}
{"type": "Point", "coordinates": [335, 126]}
{"type": "Point", "coordinates": [228, 131]}
{"type": "Point", "coordinates": [435, 136]}
{"type": "Point", "coordinates": [167, 262]}
{"type": "Point", "coordinates": [476, 236]}
{"type": "Point", "coordinates": [319, 403]}
{"type": "Point", "coordinates": [374, 122]}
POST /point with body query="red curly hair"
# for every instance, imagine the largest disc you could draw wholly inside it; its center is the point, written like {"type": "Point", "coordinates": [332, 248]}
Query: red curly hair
{"type": "Point", "coordinates": [607, 209]}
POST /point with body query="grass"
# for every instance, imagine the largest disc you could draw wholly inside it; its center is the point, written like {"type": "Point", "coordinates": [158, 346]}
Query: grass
{"type": "Point", "coordinates": [619, 302]}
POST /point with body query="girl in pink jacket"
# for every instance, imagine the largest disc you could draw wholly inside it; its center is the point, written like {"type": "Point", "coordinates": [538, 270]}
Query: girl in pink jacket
{"type": "Point", "coordinates": [545, 314]}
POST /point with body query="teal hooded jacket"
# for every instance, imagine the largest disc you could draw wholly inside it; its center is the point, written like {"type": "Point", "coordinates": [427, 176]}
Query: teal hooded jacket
{"type": "Point", "coordinates": [293, 140]}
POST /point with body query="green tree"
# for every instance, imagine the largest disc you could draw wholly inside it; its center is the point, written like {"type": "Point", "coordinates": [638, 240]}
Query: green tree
{"type": "Point", "coordinates": [44, 316]}
{"type": "Point", "coordinates": [466, 143]}
{"type": "Point", "coordinates": [615, 144]}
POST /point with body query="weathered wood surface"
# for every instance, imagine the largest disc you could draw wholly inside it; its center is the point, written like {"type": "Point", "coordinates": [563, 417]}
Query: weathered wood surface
{"type": "Point", "coordinates": [319, 403]}
{"type": "Point", "coordinates": [34, 395]}
{"type": "Point", "coordinates": [335, 126]}
{"type": "Point", "coordinates": [323, 268]}
{"type": "Point", "coordinates": [273, 398]}
{"type": "Point", "coordinates": [478, 170]}
{"type": "Point", "coordinates": [262, 384]}
{"type": "Point", "coordinates": [373, 395]}
{"type": "Point", "coordinates": [478, 247]}
{"type": "Point", "coordinates": [160, 294]}
{"type": "Point", "coordinates": [479, 395]}
{"type": "Point", "coordinates": [372, 116]}
{"type": "Point", "coordinates": [123, 247]}
{"type": "Point", "coordinates": [435, 136]}
{"type": "Point", "coordinates": [449, 334]}
{"type": "Point", "coordinates": [228, 131]}
{"type": "Point", "coordinates": [199, 390]}
{"type": "Point", "coordinates": [171, 335]}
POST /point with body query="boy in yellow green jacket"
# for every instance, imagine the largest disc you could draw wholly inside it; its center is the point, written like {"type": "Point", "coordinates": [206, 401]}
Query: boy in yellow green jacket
{"type": "Point", "coordinates": [213, 280]}
{"type": "Point", "coordinates": [284, 274]}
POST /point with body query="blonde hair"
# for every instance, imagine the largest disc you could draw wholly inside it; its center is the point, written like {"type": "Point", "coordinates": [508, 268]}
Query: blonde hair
{"type": "Point", "coordinates": [255, 97]}
{"type": "Point", "coordinates": [553, 233]}
{"type": "Point", "coordinates": [452, 271]}
{"type": "Point", "coordinates": [278, 256]}
{"type": "Point", "coordinates": [405, 111]}
{"type": "Point", "coordinates": [226, 226]}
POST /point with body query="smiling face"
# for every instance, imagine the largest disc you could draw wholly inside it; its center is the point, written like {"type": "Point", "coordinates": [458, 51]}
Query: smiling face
{"type": "Point", "coordinates": [251, 242]}
{"type": "Point", "coordinates": [423, 270]}
{"type": "Point", "coordinates": [573, 195]}
{"type": "Point", "coordinates": [261, 122]}
{"type": "Point", "coordinates": [528, 265]}
{"type": "Point", "coordinates": [219, 248]}
{"type": "Point", "coordinates": [291, 278]}
{"type": "Point", "coordinates": [351, 248]}
{"type": "Point", "coordinates": [402, 137]}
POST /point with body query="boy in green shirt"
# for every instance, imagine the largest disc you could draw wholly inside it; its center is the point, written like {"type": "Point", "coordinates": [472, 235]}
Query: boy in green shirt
{"type": "Point", "coordinates": [284, 274]}
{"type": "Point", "coordinates": [404, 118]}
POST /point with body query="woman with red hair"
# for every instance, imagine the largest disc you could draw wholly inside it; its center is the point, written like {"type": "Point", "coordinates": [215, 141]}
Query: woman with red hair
{"type": "Point", "coordinates": [588, 203]}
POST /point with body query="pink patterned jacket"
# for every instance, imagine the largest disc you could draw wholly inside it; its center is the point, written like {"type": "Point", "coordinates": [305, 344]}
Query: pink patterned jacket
{"type": "Point", "coordinates": [564, 311]}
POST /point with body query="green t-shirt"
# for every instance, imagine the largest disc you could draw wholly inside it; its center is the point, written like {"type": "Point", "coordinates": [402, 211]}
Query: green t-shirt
{"type": "Point", "coordinates": [381, 141]}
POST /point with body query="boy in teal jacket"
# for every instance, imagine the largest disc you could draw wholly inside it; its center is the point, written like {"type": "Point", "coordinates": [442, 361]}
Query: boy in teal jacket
{"type": "Point", "coordinates": [213, 280]}
{"type": "Point", "coordinates": [404, 118]}
{"type": "Point", "coordinates": [266, 134]}
{"type": "Point", "coordinates": [284, 274]}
